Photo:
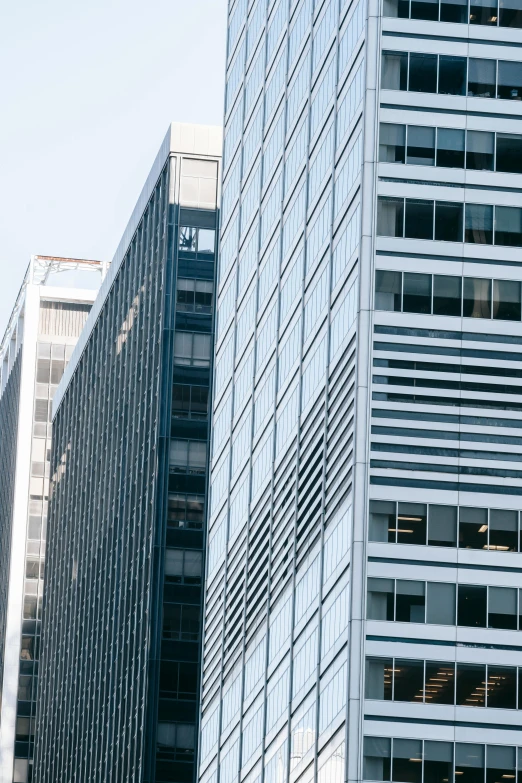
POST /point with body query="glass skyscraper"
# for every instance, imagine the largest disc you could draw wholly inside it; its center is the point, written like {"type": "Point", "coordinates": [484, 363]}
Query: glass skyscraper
{"type": "Point", "coordinates": [121, 637]}
{"type": "Point", "coordinates": [48, 316]}
{"type": "Point", "coordinates": [363, 603]}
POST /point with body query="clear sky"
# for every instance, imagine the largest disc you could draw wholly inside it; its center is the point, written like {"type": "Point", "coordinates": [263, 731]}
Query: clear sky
{"type": "Point", "coordinates": [88, 91]}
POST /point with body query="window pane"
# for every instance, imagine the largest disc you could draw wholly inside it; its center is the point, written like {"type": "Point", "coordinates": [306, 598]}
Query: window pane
{"type": "Point", "coordinates": [480, 150]}
{"type": "Point", "coordinates": [391, 143]}
{"type": "Point", "coordinates": [441, 603]}
{"type": "Point", "coordinates": [425, 9]}
{"type": "Point", "coordinates": [419, 219]}
{"type": "Point", "coordinates": [187, 239]}
{"type": "Point", "coordinates": [408, 681]}
{"type": "Point", "coordinates": [450, 148]}
{"type": "Point", "coordinates": [410, 602]}
{"type": "Point", "coordinates": [509, 80]}
{"type": "Point", "coordinates": [390, 217]}
{"type": "Point", "coordinates": [442, 525]}
{"type": "Point", "coordinates": [382, 521]}
{"type": "Point", "coordinates": [510, 13]}
{"type": "Point", "coordinates": [477, 298]}
{"type": "Point", "coordinates": [417, 293]}
{"type": "Point", "coordinates": [380, 599]}
{"type": "Point", "coordinates": [473, 528]}
{"type": "Point", "coordinates": [481, 78]}
{"type": "Point", "coordinates": [452, 75]}
{"type": "Point", "coordinates": [472, 606]}
{"type": "Point", "coordinates": [449, 220]}
{"type": "Point", "coordinates": [503, 530]}
{"type": "Point", "coordinates": [206, 241]}
{"type": "Point", "coordinates": [469, 762]}
{"type": "Point", "coordinates": [438, 762]}
{"type": "Point", "coordinates": [479, 224]}
{"type": "Point", "coordinates": [483, 12]}
{"type": "Point", "coordinates": [423, 73]}
{"type": "Point", "coordinates": [377, 758]}
{"type": "Point", "coordinates": [501, 761]}
{"type": "Point", "coordinates": [396, 9]}
{"type": "Point", "coordinates": [379, 678]}
{"type": "Point", "coordinates": [447, 295]}
{"type": "Point", "coordinates": [440, 684]}
{"type": "Point", "coordinates": [506, 300]}
{"type": "Point", "coordinates": [407, 761]}
{"type": "Point", "coordinates": [455, 11]}
{"type": "Point", "coordinates": [502, 608]}
{"type": "Point", "coordinates": [394, 74]}
{"type": "Point", "coordinates": [421, 145]}
{"type": "Point", "coordinates": [411, 523]}
{"type": "Point", "coordinates": [471, 685]}
{"type": "Point", "coordinates": [388, 291]}
{"type": "Point", "coordinates": [509, 152]}
{"type": "Point", "coordinates": [508, 226]}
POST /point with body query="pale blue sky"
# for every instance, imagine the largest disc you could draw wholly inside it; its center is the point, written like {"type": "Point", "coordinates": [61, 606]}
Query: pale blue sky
{"type": "Point", "coordinates": [87, 92]}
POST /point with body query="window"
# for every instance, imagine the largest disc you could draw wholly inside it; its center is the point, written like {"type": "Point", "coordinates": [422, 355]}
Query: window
{"type": "Point", "coordinates": [506, 298]}
{"type": "Point", "coordinates": [418, 222]}
{"type": "Point", "coordinates": [189, 402]}
{"type": "Point", "coordinates": [388, 290]}
{"type": "Point", "coordinates": [200, 242]}
{"type": "Point", "coordinates": [392, 143]}
{"type": "Point", "coordinates": [442, 526]}
{"type": "Point", "coordinates": [481, 12]}
{"type": "Point", "coordinates": [185, 511]}
{"type": "Point", "coordinates": [477, 298]}
{"type": "Point", "coordinates": [394, 72]}
{"type": "Point", "coordinates": [416, 293]}
{"type": "Point", "coordinates": [472, 606]}
{"type": "Point", "coordinates": [410, 601]}
{"type": "Point", "coordinates": [450, 148]}
{"type": "Point", "coordinates": [175, 741]}
{"type": "Point", "coordinates": [449, 220]}
{"type": "Point", "coordinates": [480, 150]}
{"type": "Point", "coordinates": [452, 75]}
{"type": "Point", "coordinates": [422, 76]}
{"type": "Point", "coordinates": [447, 295]}
{"type": "Point", "coordinates": [481, 78]}
{"type": "Point", "coordinates": [183, 566]}
{"type": "Point", "coordinates": [390, 217]}
{"type": "Point", "coordinates": [194, 296]}
{"type": "Point", "coordinates": [508, 226]}
{"type": "Point", "coordinates": [509, 80]}
{"type": "Point", "coordinates": [509, 153]}
{"type": "Point", "coordinates": [421, 145]}
{"type": "Point", "coordinates": [479, 224]}
{"type": "Point", "coordinates": [181, 622]}
{"type": "Point", "coordinates": [188, 456]}
{"type": "Point", "coordinates": [192, 349]}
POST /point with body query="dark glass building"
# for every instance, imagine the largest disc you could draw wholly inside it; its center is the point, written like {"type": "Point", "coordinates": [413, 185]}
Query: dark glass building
{"type": "Point", "coordinates": [122, 612]}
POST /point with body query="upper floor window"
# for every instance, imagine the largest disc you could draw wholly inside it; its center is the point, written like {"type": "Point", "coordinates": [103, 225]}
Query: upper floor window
{"type": "Point", "coordinates": [440, 525]}
{"type": "Point", "coordinates": [450, 148]}
{"type": "Point", "coordinates": [471, 297]}
{"type": "Point", "coordinates": [197, 242]}
{"type": "Point", "coordinates": [189, 402]}
{"type": "Point", "coordinates": [185, 511]}
{"type": "Point", "coordinates": [449, 221]}
{"type": "Point", "coordinates": [188, 456]}
{"type": "Point", "coordinates": [183, 566]}
{"type": "Point", "coordinates": [194, 296]}
{"type": "Point", "coordinates": [450, 75]}
{"type": "Point", "coordinates": [493, 13]}
{"type": "Point", "coordinates": [192, 348]}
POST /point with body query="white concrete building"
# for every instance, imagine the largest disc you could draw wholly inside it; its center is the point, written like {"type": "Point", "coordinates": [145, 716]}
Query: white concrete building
{"type": "Point", "coordinates": [50, 311]}
{"type": "Point", "coordinates": [363, 606]}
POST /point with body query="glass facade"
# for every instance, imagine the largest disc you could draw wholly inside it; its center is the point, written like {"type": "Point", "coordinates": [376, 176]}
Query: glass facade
{"type": "Point", "coordinates": [122, 617]}
{"type": "Point", "coordinates": [370, 199]}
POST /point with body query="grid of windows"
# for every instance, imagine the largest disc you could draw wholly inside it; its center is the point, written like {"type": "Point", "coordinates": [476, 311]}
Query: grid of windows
{"type": "Point", "coordinates": [275, 491]}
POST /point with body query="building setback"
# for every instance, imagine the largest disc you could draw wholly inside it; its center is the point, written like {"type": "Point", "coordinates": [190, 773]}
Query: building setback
{"type": "Point", "coordinates": [121, 638]}
{"type": "Point", "coordinates": [362, 607]}
{"type": "Point", "coordinates": [48, 316]}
